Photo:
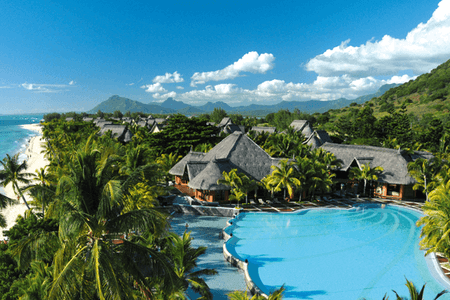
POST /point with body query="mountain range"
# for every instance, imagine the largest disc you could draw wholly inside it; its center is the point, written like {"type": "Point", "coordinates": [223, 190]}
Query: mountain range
{"type": "Point", "coordinates": [171, 106]}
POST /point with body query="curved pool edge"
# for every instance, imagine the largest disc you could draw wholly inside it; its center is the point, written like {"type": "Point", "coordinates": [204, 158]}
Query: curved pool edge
{"type": "Point", "coordinates": [236, 262]}
{"type": "Point", "coordinates": [431, 260]}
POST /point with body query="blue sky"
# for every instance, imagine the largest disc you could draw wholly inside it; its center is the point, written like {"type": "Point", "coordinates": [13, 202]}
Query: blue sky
{"type": "Point", "coordinates": [70, 56]}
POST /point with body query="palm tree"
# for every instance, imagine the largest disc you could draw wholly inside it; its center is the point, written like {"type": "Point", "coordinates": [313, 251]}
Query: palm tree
{"type": "Point", "coordinates": [436, 229]}
{"type": "Point", "coordinates": [167, 161]}
{"type": "Point", "coordinates": [183, 259]}
{"type": "Point", "coordinates": [43, 190]}
{"type": "Point", "coordinates": [318, 178]}
{"type": "Point", "coordinates": [365, 172]}
{"type": "Point", "coordinates": [91, 218]}
{"type": "Point", "coordinates": [14, 172]}
{"type": "Point", "coordinates": [240, 295]}
{"type": "Point", "coordinates": [416, 295]}
{"type": "Point", "coordinates": [4, 202]}
{"type": "Point", "coordinates": [423, 171]}
{"type": "Point", "coordinates": [36, 284]}
{"type": "Point", "coordinates": [240, 184]}
{"type": "Point", "coordinates": [283, 176]}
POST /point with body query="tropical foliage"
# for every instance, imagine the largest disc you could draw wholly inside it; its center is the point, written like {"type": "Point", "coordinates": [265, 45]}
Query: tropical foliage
{"type": "Point", "coordinates": [100, 234]}
{"type": "Point", "coordinates": [239, 183]}
{"type": "Point", "coordinates": [365, 173]}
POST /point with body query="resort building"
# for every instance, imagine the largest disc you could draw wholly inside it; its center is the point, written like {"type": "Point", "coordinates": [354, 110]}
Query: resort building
{"type": "Point", "coordinates": [120, 132]}
{"type": "Point", "coordinates": [314, 138]}
{"type": "Point", "coordinates": [227, 126]}
{"type": "Point", "coordinates": [261, 129]}
{"type": "Point", "coordinates": [394, 182]}
{"type": "Point", "coordinates": [197, 173]}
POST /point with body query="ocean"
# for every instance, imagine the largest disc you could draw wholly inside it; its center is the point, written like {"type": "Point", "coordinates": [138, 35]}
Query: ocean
{"type": "Point", "coordinates": [13, 138]}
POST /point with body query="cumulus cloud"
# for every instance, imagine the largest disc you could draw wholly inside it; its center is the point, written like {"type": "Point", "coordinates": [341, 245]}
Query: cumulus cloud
{"type": "Point", "coordinates": [272, 91]}
{"type": "Point", "coordinates": [169, 78]}
{"type": "Point", "coordinates": [164, 96]}
{"type": "Point", "coordinates": [45, 88]}
{"type": "Point", "coordinates": [251, 62]}
{"type": "Point", "coordinates": [180, 88]}
{"type": "Point", "coordinates": [421, 50]}
{"type": "Point", "coordinates": [72, 82]}
{"type": "Point", "coordinates": [154, 88]}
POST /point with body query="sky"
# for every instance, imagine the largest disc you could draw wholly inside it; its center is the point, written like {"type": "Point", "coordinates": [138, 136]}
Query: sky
{"type": "Point", "coordinates": [60, 56]}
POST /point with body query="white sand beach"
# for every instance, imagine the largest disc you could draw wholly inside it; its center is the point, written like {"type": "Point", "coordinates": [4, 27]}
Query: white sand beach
{"type": "Point", "coordinates": [35, 161]}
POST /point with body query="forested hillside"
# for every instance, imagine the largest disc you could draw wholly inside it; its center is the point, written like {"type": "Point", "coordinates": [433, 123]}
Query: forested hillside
{"type": "Point", "coordinates": [413, 115]}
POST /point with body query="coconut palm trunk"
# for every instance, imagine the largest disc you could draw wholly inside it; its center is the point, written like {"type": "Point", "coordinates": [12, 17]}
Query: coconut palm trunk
{"type": "Point", "coordinates": [21, 195]}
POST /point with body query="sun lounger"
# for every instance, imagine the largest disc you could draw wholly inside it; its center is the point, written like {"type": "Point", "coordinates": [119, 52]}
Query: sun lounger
{"type": "Point", "coordinates": [261, 201]}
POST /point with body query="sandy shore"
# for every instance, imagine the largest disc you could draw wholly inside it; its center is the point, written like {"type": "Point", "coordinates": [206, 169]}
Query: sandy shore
{"type": "Point", "coordinates": [35, 161]}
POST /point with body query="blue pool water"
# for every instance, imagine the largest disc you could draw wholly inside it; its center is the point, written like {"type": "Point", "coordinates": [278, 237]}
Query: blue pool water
{"type": "Point", "coordinates": [361, 253]}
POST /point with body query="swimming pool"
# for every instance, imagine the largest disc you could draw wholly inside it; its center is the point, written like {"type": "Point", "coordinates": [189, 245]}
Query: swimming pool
{"type": "Point", "coordinates": [363, 252]}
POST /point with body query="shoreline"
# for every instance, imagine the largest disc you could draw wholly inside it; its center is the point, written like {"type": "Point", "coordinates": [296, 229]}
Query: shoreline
{"type": "Point", "coordinates": [35, 161]}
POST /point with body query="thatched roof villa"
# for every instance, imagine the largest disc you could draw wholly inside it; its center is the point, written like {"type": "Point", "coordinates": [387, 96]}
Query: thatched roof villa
{"type": "Point", "coordinates": [227, 126]}
{"type": "Point", "coordinates": [121, 132]}
{"type": "Point", "coordinates": [197, 173]}
{"type": "Point", "coordinates": [261, 129]}
{"type": "Point", "coordinates": [394, 182]}
{"type": "Point", "coordinates": [314, 138]}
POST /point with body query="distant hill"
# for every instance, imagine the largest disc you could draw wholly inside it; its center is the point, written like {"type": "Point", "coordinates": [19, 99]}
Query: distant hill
{"type": "Point", "coordinates": [122, 104]}
{"type": "Point", "coordinates": [422, 99]}
{"type": "Point", "coordinates": [171, 106]}
{"type": "Point", "coordinates": [209, 106]}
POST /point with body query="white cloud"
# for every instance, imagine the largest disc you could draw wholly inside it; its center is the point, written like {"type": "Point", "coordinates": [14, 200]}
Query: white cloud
{"type": "Point", "coordinates": [164, 96]}
{"type": "Point", "coordinates": [45, 88]}
{"type": "Point", "coordinates": [154, 88]}
{"type": "Point", "coordinates": [180, 88]}
{"type": "Point", "coordinates": [169, 78]}
{"type": "Point", "coordinates": [272, 91]}
{"type": "Point", "coordinates": [133, 83]}
{"type": "Point", "coordinates": [251, 62]}
{"type": "Point", "coordinates": [72, 82]}
{"type": "Point", "coordinates": [421, 50]}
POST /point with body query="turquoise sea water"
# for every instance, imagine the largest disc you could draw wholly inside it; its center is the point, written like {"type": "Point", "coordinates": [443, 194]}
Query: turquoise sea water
{"type": "Point", "coordinates": [13, 138]}
{"type": "Point", "coordinates": [361, 253]}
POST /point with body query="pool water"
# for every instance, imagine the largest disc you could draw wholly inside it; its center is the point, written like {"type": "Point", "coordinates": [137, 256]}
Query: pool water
{"type": "Point", "coordinates": [360, 253]}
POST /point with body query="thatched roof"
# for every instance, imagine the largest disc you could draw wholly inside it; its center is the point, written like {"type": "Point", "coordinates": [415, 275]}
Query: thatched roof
{"type": "Point", "coordinates": [160, 120]}
{"type": "Point", "coordinates": [225, 121]}
{"type": "Point", "coordinates": [157, 128]}
{"type": "Point", "coordinates": [230, 128]}
{"type": "Point", "coordinates": [69, 119]}
{"type": "Point", "coordinates": [87, 119]}
{"type": "Point", "coordinates": [103, 123]}
{"type": "Point", "coordinates": [143, 123]}
{"type": "Point", "coordinates": [235, 151]}
{"type": "Point", "coordinates": [210, 174]}
{"type": "Point", "coordinates": [317, 139]}
{"type": "Point", "coordinates": [179, 168]}
{"type": "Point", "coordinates": [394, 162]}
{"type": "Point", "coordinates": [121, 132]}
{"type": "Point", "coordinates": [261, 129]}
